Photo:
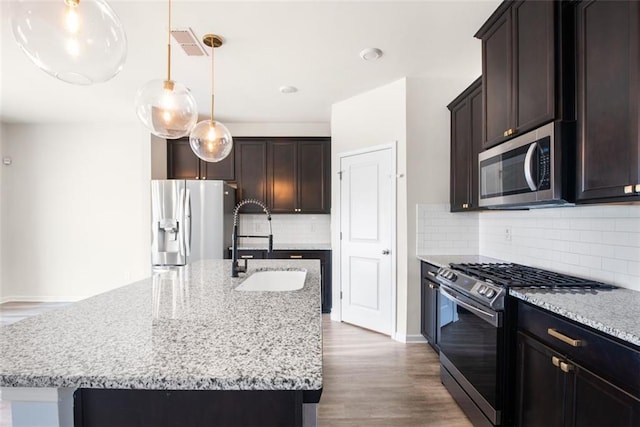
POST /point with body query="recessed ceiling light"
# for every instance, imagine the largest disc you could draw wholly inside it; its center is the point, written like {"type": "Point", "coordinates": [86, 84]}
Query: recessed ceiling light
{"type": "Point", "coordinates": [288, 89]}
{"type": "Point", "coordinates": [370, 53]}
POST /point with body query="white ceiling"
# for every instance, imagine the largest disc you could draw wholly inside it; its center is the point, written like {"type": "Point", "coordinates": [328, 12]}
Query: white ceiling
{"type": "Point", "coordinates": [313, 45]}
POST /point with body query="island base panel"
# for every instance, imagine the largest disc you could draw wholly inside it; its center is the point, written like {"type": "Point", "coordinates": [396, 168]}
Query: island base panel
{"type": "Point", "coordinates": [100, 407]}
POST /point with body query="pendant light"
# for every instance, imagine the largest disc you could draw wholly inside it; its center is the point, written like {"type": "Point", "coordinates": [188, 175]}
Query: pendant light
{"type": "Point", "coordinates": [211, 140]}
{"type": "Point", "coordinates": [77, 41]}
{"type": "Point", "coordinates": [166, 107]}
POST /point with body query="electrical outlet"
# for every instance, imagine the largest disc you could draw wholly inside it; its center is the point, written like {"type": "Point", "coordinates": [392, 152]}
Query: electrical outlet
{"type": "Point", "coordinates": [507, 234]}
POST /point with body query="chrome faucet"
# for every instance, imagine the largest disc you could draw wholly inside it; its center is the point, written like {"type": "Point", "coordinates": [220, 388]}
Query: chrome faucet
{"type": "Point", "coordinates": [235, 268]}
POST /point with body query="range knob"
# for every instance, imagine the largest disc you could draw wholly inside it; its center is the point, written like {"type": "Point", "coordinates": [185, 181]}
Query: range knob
{"type": "Point", "coordinates": [482, 290]}
{"type": "Point", "coordinates": [490, 293]}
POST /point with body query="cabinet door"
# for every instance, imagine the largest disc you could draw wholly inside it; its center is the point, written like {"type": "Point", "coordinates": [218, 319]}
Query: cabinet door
{"type": "Point", "coordinates": [251, 171]}
{"type": "Point", "coordinates": [599, 403]}
{"type": "Point", "coordinates": [282, 176]}
{"type": "Point", "coordinates": [540, 385]}
{"type": "Point", "coordinates": [223, 170]}
{"type": "Point", "coordinates": [608, 69]}
{"type": "Point", "coordinates": [182, 163]}
{"type": "Point", "coordinates": [533, 73]}
{"type": "Point", "coordinates": [475, 101]}
{"type": "Point", "coordinates": [429, 311]}
{"type": "Point", "coordinates": [466, 143]}
{"type": "Point", "coordinates": [496, 73]}
{"type": "Point", "coordinates": [314, 171]}
{"type": "Point", "coordinates": [460, 155]}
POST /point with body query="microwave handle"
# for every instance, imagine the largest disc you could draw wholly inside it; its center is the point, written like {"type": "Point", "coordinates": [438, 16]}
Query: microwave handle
{"type": "Point", "coordinates": [533, 186]}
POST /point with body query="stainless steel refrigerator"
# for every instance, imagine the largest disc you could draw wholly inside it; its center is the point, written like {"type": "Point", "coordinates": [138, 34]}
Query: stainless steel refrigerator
{"type": "Point", "coordinates": [191, 220]}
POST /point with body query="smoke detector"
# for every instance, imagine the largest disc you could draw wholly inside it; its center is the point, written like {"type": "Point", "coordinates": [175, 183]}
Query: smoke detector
{"type": "Point", "coordinates": [370, 53]}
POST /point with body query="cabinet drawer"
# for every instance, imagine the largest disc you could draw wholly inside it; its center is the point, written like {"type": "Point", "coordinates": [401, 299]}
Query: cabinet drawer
{"type": "Point", "coordinates": [299, 255]}
{"type": "Point", "coordinates": [610, 359]}
{"type": "Point", "coordinates": [250, 254]}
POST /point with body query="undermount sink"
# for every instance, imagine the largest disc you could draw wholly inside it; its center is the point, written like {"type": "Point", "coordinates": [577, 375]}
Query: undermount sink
{"type": "Point", "coordinates": [274, 281]}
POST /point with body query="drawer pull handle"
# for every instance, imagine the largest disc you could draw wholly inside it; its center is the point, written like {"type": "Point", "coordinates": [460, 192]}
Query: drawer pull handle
{"type": "Point", "coordinates": [565, 367]}
{"type": "Point", "coordinates": [432, 274]}
{"type": "Point", "coordinates": [564, 338]}
{"type": "Point", "coordinates": [555, 361]}
{"type": "Point", "coordinates": [295, 256]}
{"type": "Point", "coordinates": [246, 256]}
{"type": "Point", "coordinates": [628, 189]}
{"type": "Point", "coordinates": [431, 286]}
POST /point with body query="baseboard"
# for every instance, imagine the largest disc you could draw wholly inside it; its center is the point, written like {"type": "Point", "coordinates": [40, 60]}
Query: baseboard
{"type": "Point", "coordinates": [410, 339]}
{"type": "Point", "coordinates": [48, 298]}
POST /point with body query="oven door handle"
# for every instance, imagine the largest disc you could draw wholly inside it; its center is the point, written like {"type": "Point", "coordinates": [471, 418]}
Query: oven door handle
{"type": "Point", "coordinates": [491, 318]}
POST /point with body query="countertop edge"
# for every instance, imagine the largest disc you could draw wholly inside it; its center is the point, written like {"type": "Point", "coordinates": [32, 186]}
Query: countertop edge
{"type": "Point", "coordinates": [576, 317]}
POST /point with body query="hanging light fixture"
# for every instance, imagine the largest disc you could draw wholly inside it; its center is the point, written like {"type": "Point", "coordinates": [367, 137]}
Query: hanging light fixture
{"type": "Point", "coordinates": [166, 107]}
{"type": "Point", "coordinates": [77, 41]}
{"type": "Point", "coordinates": [211, 140]}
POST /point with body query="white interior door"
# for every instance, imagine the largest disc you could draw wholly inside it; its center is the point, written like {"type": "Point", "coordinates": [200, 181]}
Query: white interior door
{"type": "Point", "coordinates": [367, 202]}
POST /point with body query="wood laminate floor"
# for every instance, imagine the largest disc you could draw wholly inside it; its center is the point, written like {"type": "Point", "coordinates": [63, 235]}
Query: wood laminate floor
{"type": "Point", "coordinates": [369, 379]}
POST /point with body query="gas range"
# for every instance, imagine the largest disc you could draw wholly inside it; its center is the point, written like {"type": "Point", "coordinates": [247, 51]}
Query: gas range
{"type": "Point", "coordinates": [488, 283]}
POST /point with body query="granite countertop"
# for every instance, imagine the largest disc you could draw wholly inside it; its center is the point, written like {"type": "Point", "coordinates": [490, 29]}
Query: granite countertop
{"type": "Point", "coordinates": [287, 246]}
{"type": "Point", "coordinates": [614, 312]}
{"type": "Point", "coordinates": [185, 328]}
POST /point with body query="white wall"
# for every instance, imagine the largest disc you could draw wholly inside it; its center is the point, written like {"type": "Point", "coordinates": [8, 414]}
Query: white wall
{"type": "Point", "coordinates": [373, 118]}
{"type": "Point", "coordinates": [2, 132]}
{"type": "Point", "coordinates": [427, 169]}
{"type": "Point", "coordinates": [600, 242]}
{"type": "Point", "coordinates": [75, 209]}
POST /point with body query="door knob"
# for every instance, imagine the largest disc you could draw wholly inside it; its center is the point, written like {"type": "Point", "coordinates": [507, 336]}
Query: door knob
{"type": "Point", "coordinates": [386, 252]}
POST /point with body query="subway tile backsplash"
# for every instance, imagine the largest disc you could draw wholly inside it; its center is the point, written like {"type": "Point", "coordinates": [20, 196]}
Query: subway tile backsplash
{"type": "Point", "coordinates": [598, 242]}
{"type": "Point", "coordinates": [287, 228]}
{"type": "Point", "coordinates": [446, 233]}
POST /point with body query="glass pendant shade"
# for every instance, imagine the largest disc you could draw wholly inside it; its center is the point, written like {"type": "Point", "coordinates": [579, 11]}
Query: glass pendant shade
{"type": "Point", "coordinates": [167, 108]}
{"type": "Point", "coordinates": [211, 141]}
{"type": "Point", "coordinates": [77, 41]}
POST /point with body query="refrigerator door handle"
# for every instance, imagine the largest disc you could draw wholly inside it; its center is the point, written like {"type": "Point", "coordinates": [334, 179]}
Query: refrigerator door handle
{"type": "Point", "coordinates": [187, 222]}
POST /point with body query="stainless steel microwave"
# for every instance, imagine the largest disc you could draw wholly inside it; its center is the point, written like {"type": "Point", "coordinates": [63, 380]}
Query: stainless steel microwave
{"type": "Point", "coordinates": [525, 172]}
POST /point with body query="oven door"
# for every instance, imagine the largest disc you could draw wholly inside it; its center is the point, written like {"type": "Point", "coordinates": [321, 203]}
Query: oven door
{"type": "Point", "coordinates": [470, 350]}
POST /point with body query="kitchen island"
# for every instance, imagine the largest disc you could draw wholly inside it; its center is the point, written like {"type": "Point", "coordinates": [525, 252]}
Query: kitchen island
{"type": "Point", "coordinates": [182, 347]}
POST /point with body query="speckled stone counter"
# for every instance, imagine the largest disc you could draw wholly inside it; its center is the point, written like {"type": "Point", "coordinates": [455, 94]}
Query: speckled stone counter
{"type": "Point", "coordinates": [615, 312]}
{"type": "Point", "coordinates": [185, 328]}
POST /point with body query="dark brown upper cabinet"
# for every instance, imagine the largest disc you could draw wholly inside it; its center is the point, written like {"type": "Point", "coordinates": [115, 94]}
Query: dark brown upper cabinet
{"type": "Point", "coordinates": [182, 163]}
{"type": "Point", "coordinates": [298, 173]}
{"type": "Point", "coordinates": [523, 68]}
{"type": "Point", "coordinates": [608, 70]}
{"type": "Point", "coordinates": [466, 143]}
{"type": "Point", "coordinates": [251, 171]}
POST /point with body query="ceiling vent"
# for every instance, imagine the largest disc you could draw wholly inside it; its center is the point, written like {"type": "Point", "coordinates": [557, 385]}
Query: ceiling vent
{"type": "Point", "coordinates": [188, 42]}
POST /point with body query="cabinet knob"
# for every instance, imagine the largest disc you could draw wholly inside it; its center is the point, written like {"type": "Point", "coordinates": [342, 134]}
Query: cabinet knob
{"type": "Point", "coordinates": [628, 189]}
{"type": "Point", "coordinates": [509, 132]}
{"type": "Point", "coordinates": [197, 177]}
{"type": "Point", "coordinates": [637, 188]}
{"type": "Point", "coordinates": [465, 205]}
{"type": "Point", "coordinates": [555, 361]}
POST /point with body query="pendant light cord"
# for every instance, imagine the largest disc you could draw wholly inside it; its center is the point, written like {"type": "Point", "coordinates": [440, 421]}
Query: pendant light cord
{"type": "Point", "coordinates": [213, 48]}
{"type": "Point", "coordinates": [169, 46]}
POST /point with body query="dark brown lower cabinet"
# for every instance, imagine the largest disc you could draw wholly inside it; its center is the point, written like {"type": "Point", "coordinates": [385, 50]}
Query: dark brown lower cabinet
{"type": "Point", "coordinates": [429, 302]}
{"type": "Point", "coordinates": [158, 408]}
{"type": "Point", "coordinates": [557, 384]}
